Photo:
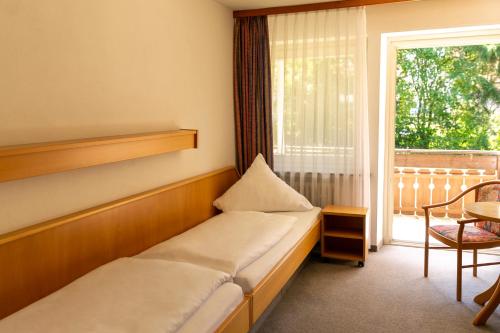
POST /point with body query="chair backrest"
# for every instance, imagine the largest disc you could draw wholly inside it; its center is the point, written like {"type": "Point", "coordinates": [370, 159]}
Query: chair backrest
{"type": "Point", "coordinates": [489, 192]}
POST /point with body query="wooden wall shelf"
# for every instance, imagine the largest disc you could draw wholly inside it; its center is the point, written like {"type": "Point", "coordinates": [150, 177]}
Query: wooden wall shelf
{"type": "Point", "coordinates": [23, 161]}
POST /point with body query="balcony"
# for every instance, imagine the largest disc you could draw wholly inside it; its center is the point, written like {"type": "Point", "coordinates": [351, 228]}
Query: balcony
{"type": "Point", "coordinates": [429, 176]}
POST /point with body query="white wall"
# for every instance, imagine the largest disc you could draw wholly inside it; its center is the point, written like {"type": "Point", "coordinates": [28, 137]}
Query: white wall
{"type": "Point", "coordinates": [409, 16]}
{"type": "Point", "coordinates": [84, 68]}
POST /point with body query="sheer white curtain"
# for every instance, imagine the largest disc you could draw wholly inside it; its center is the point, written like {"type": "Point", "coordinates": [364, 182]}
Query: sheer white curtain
{"type": "Point", "coordinates": [320, 115]}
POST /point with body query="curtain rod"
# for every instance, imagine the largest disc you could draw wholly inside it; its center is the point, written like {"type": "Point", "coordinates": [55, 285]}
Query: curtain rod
{"type": "Point", "coordinates": [310, 7]}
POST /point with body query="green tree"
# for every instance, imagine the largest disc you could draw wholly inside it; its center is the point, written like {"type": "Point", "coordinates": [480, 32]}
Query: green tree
{"type": "Point", "coordinates": [448, 98]}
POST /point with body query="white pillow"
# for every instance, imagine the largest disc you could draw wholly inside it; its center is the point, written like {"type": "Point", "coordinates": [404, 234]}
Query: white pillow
{"type": "Point", "coordinates": [261, 190]}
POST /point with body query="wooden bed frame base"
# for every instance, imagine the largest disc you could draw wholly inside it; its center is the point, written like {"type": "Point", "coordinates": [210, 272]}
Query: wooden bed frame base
{"type": "Point", "coordinates": [38, 260]}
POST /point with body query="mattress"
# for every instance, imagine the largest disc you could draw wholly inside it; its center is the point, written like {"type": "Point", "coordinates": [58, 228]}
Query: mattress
{"type": "Point", "coordinates": [215, 310]}
{"type": "Point", "coordinates": [132, 295]}
{"type": "Point", "coordinates": [227, 242]}
{"type": "Point", "coordinates": [250, 276]}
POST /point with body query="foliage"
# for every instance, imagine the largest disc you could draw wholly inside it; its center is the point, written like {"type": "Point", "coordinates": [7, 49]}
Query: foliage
{"type": "Point", "coordinates": [448, 98]}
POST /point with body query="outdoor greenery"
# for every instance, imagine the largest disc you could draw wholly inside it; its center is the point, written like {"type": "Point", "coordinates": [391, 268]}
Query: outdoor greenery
{"type": "Point", "coordinates": [448, 98]}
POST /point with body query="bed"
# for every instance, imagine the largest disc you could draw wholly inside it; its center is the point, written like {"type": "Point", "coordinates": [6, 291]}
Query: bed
{"type": "Point", "coordinates": [228, 242]}
{"type": "Point", "coordinates": [39, 260]}
{"type": "Point", "coordinates": [44, 258]}
{"type": "Point", "coordinates": [245, 244]}
{"type": "Point", "coordinates": [134, 295]}
{"type": "Point", "coordinates": [272, 237]}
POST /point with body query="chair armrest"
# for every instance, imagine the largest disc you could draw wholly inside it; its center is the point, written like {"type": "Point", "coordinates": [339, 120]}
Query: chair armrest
{"type": "Point", "coordinates": [460, 232]}
{"type": "Point", "coordinates": [439, 204]}
{"type": "Point", "coordinates": [470, 220]}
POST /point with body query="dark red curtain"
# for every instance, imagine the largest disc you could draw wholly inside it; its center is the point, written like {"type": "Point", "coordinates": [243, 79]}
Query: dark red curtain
{"type": "Point", "coordinates": [252, 91]}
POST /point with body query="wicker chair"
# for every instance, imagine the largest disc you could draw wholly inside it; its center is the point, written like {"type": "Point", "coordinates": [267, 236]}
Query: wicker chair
{"type": "Point", "coordinates": [481, 235]}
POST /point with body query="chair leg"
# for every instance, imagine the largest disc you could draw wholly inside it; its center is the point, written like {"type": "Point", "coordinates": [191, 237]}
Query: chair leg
{"type": "Point", "coordinates": [474, 258]}
{"type": "Point", "coordinates": [426, 254]}
{"type": "Point", "coordinates": [459, 275]}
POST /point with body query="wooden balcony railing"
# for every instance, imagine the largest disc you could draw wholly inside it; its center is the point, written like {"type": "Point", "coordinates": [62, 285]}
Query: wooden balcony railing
{"type": "Point", "coordinates": [430, 176]}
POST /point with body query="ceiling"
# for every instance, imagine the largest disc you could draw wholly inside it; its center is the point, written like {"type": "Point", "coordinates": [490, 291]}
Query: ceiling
{"type": "Point", "coordinates": [253, 4]}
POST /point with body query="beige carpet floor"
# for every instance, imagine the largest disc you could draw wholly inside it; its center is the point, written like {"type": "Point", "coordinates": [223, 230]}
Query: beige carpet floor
{"type": "Point", "coordinates": [389, 294]}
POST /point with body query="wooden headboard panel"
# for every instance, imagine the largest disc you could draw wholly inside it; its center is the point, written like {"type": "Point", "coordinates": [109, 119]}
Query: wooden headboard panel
{"type": "Point", "coordinates": [40, 259]}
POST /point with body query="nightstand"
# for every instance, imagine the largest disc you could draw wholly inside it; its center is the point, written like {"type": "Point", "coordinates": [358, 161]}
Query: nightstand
{"type": "Point", "coordinates": [343, 233]}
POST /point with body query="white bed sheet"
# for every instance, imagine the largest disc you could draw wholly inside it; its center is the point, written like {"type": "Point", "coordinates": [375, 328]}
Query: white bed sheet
{"type": "Point", "coordinates": [215, 310]}
{"type": "Point", "coordinates": [250, 276]}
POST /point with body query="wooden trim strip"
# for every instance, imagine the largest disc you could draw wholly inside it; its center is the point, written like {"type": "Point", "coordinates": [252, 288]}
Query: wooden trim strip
{"type": "Point", "coordinates": [310, 7]}
{"type": "Point", "coordinates": [22, 161]}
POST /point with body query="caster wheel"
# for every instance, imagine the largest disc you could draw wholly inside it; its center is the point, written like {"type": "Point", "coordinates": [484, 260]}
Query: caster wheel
{"type": "Point", "coordinates": [361, 264]}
